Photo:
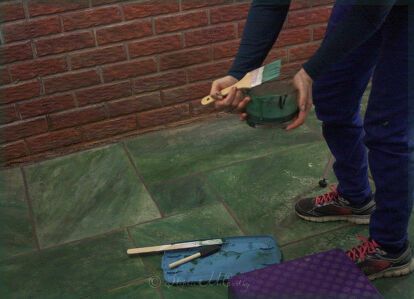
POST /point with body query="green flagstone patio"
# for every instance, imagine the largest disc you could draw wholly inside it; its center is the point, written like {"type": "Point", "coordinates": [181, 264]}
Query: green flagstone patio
{"type": "Point", "coordinates": [67, 222]}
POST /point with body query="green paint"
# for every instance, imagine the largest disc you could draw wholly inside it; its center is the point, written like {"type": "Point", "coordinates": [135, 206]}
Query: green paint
{"type": "Point", "coordinates": [16, 230]}
{"type": "Point", "coordinates": [75, 270]}
{"type": "Point", "coordinates": [273, 183]}
{"type": "Point", "coordinates": [181, 194]}
{"type": "Point", "coordinates": [203, 146]}
{"type": "Point", "coordinates": [271, 71]}
{"type": "Point", "coordinates": [85, 194]}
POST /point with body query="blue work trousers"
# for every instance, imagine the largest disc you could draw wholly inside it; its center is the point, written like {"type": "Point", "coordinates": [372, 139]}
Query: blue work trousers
{"type": "Point", "coordinates": [380, 139]}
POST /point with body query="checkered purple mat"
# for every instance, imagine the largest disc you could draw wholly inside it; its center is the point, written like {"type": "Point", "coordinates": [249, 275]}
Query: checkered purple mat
{"type": "Point", "coordinates": [323, 275]}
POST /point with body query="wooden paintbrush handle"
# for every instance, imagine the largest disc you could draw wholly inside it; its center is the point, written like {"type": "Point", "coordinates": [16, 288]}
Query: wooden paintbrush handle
{"type": "Point", "coordinates": [209, 99]}
{"type": "Point", "coordinates": [184, 260]}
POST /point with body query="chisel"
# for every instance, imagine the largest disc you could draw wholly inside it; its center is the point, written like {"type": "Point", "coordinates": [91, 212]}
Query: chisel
{"type": "Point", "coordinates": [174, 246]}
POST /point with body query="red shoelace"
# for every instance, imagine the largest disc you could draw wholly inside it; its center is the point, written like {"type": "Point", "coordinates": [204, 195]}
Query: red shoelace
{"type": "Point", "coordinates": [361, 251]}
{"type": "Point", "coordinates": [327, 197]}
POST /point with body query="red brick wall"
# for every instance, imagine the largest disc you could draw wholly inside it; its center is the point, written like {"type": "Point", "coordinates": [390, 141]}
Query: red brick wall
{"type": "Point", "coordinates": [77, 72]}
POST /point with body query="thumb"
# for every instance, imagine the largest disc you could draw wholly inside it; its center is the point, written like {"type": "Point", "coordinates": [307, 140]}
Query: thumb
{"type": "Point", "coordinates": [215, 88]}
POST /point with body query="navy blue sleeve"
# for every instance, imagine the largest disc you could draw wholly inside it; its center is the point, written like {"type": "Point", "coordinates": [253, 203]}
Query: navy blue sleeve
{"type": "Point", "coordinates": [264, 22]}
{"type": "Point", "coordinates": [357, 27]}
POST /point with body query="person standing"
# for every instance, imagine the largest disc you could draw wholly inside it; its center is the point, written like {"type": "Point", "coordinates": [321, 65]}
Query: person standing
{"type": "Point", "coordinates": [364, 40]}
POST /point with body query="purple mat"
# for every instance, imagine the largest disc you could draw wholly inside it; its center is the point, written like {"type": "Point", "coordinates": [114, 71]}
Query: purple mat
{"type": "Point", "coordinates": [323, 275]}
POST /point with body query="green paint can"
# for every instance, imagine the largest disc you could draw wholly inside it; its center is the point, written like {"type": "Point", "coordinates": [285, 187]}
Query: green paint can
{"type": "Point", "coordinates": [271, 104]}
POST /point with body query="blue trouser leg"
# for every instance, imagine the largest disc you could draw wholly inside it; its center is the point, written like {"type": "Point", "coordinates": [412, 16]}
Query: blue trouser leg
{"type": "Point", "coordinates": [337, 96]}
{"type": "Point", "coordinates": [386, 127]}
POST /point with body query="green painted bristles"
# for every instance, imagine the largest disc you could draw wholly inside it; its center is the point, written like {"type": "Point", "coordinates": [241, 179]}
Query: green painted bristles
{"type": "Point", "coordinates": [271, 71]}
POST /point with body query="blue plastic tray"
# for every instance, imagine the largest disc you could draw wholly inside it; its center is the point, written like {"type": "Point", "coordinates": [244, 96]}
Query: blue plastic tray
{"type": "Point", "coordinates": [237, 255]}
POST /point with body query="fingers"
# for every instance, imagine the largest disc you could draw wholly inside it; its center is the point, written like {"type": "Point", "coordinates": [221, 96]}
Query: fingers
{"type": "Point", "coordinates": [235, 100]}
{"type": "Point", "coordinates": [226, 102]}
{"type": "Point", "coordinates": [299, 120]}
{"type": "Point", "coordinates": [304, 99]}
{"type": "Point", "coordinates": [215, 88]}
{"type": "Point", "coordinates": [242, 104]}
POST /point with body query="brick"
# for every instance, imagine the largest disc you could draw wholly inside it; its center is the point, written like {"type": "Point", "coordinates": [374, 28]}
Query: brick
{"type": "Point", "coordinates": [240, 28]}
{"type": "Point", "coordinates": [91, 17]}
{"type": "Point", "coordinates": [302, 52]}
{"type": "Point", "coordinates": [181, 21]}
{"type": "Point", "coordinates": [210, 71]}
{"type": "Point", "coordinates": [21, 129]}
{"type": "Point", "coordinates": [134, 104]}
{"type": "Point", "coordinates": [64, 43]}
{"type": "Point", "coordinates": [192, 4]}
{"type": "Point", "coordinates": [149, 8]}
{"type": "Point", "coordinates": [38, 67]}
{"type": "Point", "coordinates": [128, 69]}
{"type": "Point", "coordinates": [154, 45]}
{"type": "Point", "coordinates": [15, 52]}
{"type": "Point", "coordinates": [53, 140]}
{"type": "Point", "coordinates": [319, 32]}
{"type": "Point", "coordinates": [4, 76]}
{"type": "Point", "coordinates": [299, 4]}
{"type": "Point", "coordinates": [7, 114]}
{"type": "Point", "coordinates": [228, 49]}
{"type": "Point", "coordinates": [151, 83]}
{"type": "Point", "coordinates": [109, 128]}
{"type": "Point", "coordinates": [102, 2]}
{"type": "Point", "coordinates": [290, 69]}
{"type": "Point", "coordinates": [103, 93]}
{"type": "Point", "coordinates": [70, 81]}
{"type": "Point", "coordinates": [321, 2]}
{"type": "Point", "coordinates": [31, 29]}
{"type": "Point", "coordinates": [76, 117]}
{"type": "Point", "coordinates": [14, 93]}
{"type": "Point", "coordinates": [163, 115]}
{"type": "Point", "coordinates": [293, 37]}
{"type": "Point", "coordinates": [13, 150]}
{"type": "Point", "coordinates": [116, 33]}
{"type": "Point", "coordinates": [210, 35]}
{"type": "Point", "coordinates": [229, 13]}
{"type": "Point", "coordinates": [42, 7]}
{"type": "Point", "coordinates": [197, 108]}
{"type": "Point", "coordinates": [277, 54]}
{"type": "Point", "coordinates": [11, 11]}
{"type": "Point", "coordinates": [184, 58]}
{"type": "Point", "coordinates": [186, 93]}
{"type": "Point", "coordinates": [45, 105]}
{"type": "Point", "coordinates": [309, 16]}
{"type": "Point", "coordinates": [98, 56]}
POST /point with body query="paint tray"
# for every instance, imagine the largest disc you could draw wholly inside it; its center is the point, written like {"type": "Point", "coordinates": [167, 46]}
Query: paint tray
{"type": "Point", "coordinates": [237, 255]}
{"type": "Point", "coordinates": [326, 275]}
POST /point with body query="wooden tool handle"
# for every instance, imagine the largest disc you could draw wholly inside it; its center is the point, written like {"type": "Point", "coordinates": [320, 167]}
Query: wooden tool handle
{"type": "Point", "coordinates": [184, 260]}
{"type": "Point", "coordinates": [148, 249]}
{"type": "Point", "coordinates": [209, 99]}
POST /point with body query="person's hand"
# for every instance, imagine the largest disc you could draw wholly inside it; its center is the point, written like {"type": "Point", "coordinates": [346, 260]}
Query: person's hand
{"type": "Point", "coordinates": [234, 101]}
{"type": "Point", "coordinates": [303, 83]}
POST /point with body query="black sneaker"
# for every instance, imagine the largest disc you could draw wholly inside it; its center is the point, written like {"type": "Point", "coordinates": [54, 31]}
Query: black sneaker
{"type": "Point", "coordinates": [377, 263]}
{"type": "Point", "coordinates": [333, 207]}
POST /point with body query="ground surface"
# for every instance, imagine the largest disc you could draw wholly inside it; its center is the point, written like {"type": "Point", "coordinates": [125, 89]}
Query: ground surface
{"type": "Point", "coordinates": [67, 222]}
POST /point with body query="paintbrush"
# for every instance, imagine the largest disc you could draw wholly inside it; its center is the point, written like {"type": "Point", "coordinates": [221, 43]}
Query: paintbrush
{"type": "Point", "coordinates": [204, 251]}
{"type": "Point", "coordinates": [252, 79]}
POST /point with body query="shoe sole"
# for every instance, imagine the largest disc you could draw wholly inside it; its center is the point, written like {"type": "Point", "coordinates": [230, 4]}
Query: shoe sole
{"type": "Point", "coordinates": [394, 272]}
{"type": "Point", "coordinates": [353, 219]}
